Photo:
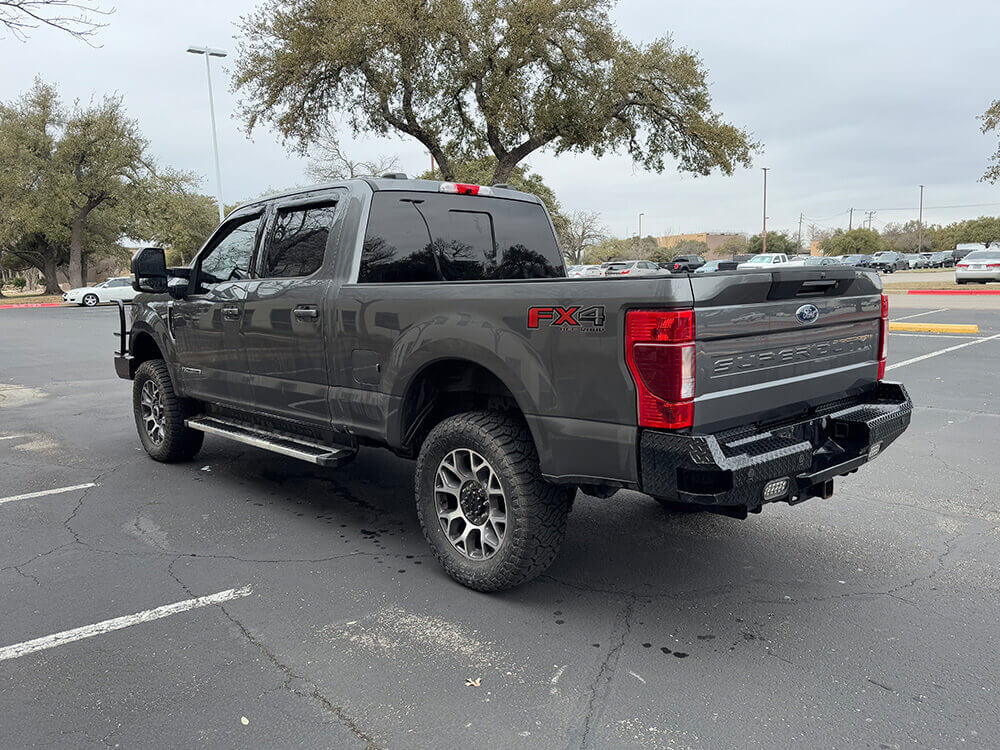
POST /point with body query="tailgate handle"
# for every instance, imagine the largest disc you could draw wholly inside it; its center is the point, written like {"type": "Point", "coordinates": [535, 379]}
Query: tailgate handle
{"type": "Point", "coordinates": [306, 313]}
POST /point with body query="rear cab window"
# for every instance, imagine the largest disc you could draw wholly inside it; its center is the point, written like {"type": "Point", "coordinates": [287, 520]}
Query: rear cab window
{"type": "Point", "coordinates": [418, 236]}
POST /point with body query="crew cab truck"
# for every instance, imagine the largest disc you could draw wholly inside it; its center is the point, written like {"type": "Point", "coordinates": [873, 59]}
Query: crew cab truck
{"type": "Point", "coordinates": [435, 319]}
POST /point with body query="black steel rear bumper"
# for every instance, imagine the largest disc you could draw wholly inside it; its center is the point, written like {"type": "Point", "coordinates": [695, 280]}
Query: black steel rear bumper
{"type": "Point", "coordinates": [732, 469]}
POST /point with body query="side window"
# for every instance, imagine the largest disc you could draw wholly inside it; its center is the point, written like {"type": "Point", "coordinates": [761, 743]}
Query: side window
{"type": "Point", "coordinates": [230, 259]}
{"type": "Point", "coordinates": [298, 242]}
{"type": "Point", "coordinates": [527, 246]}
{"type": "Point", "coordinates": [397, 244]}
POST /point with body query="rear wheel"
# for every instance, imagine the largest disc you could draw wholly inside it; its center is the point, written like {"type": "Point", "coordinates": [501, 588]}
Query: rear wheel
{"type": "Point", "coordinates": [160, 415]}
{"type": "Point", "coordinates": [89, 300]}
{"type": "Point", "coordinates": [490, 518]}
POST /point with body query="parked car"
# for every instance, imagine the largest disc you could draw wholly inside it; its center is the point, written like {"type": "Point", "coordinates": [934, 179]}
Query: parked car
{"type": "Point", "coordinates": [591, 270]}
{"type": "Point", "coordinates": [889, 261]}
{"type": "Point", "coordinates": [942, 259]}
{"type": "Point", "coordinates": [915, 260]}
{"type": "Point", "coordinates": [858, 261]}
{"type": "Point", "coordinates": [686, 263]}
{"type": "Point", "coordinates": [630, 268]}
{"type": "Point", "coordinates": [768, 261]}
{"type": "Point", "coordinates": [711, 266]}
{"type": "Point", "coordinates": [112, 290]}
{"type": "Point", "coordinates": [313, 324]}
{"type": "Point", "coordinates": [812, 260]}
{"type": "Point", "coordinates": [979, 265]}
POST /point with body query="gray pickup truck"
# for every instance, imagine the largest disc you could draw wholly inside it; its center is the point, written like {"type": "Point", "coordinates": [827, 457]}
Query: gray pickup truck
{"type": "Point", "coordinates": [436, 320]}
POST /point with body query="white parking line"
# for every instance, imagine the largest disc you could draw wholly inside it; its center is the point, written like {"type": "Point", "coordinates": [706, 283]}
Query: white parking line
{"type": "Point", "coordinates": [43, 493]}
{"type": "Point", "coordinates": [917, 315]}
{"type": "Point", "coordinates": [10, 437]}
{"type": "Point", "coordinates": [118, 623]}
{"type": "Point", "coordinates": [922, 357]}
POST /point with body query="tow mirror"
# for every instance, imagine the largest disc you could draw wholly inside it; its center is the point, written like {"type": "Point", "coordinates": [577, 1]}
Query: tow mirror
{"type": "Point", "coordinates": [149, 270]}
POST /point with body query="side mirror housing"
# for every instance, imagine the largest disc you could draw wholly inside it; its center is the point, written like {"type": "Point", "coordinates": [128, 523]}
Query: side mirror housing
{"type": "Point", "coordinates": [149, 270]}
{"type": "Point", "coordinates": [178, 288]}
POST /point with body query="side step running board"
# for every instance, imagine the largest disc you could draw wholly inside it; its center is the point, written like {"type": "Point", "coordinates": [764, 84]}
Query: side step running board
{"type": "Point", "coordinates": [314, 453]}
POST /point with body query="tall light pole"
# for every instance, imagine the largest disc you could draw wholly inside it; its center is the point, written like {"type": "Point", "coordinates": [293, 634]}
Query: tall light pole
{"type": "Point", "coordinates": [210, 52]}
{"type": "Point", "coordinates": [638, 244]}
{"type": "Point", "coordinates": [764, 234]}
{"type": "Point", "coordinates": [920, 223]}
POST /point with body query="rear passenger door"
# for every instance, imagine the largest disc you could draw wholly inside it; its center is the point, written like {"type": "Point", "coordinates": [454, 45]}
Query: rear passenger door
{"type": "Point", "coordinates": [285, 312]}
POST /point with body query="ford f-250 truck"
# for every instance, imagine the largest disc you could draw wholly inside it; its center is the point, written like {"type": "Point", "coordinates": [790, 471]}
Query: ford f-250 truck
{"type": "Point", "coordinates": [435, 319]}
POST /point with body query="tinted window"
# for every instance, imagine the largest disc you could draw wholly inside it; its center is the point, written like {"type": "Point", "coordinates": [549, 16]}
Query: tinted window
{"type": "Point", "coordinates": [983, 255]}
{"type": "Point", "coordinates": [432, 237]}
{"type": "Point", "coordinates": [118, 282]}
{"type": "Point", "coordinates": [230, 259]}
{"type": "Point", "coordinates": [298, 241]}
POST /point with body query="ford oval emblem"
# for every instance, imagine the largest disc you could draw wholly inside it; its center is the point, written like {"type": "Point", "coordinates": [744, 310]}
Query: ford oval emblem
{"type": "Point", "coordinates": [807, 314]}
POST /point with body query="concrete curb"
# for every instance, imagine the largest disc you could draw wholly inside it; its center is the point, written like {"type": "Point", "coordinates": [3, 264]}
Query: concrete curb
{"type": "Point", "coordinates": [953, 291]}
{"type": "Point", "coordinates": [934, 327]}
{"type": "Point", "coordinates": [32, 304]}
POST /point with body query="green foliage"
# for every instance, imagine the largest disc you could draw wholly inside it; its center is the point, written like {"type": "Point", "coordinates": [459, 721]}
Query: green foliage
{"type": "Point", "coordinates": [854, 242]}
{"type": "Point", "coordinates": [690, 247]}
{"type": "Point", "coordinates": [500, 77]}
{"type": "Point", "coordinates": [906, 237]}
{"type": "Point", "coordinates": [630, 248]}
{"type": "Point", "coordinates": [180, 222]}
{"type": "Point", "coordinates": [990, 120]}
{"type": "Point", "coordinates": [777, 242]}
{"type": "Point", "coordinates": [735, 245]}
{"type": "Point", "coordinates": [19, 283]}
{"type": "Point", "coordinates": [985, 229]}
{"type": "Point", "coordinates": [75, 180]}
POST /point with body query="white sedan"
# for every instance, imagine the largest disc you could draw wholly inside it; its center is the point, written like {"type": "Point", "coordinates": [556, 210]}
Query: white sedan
{"type": "Point", "coordinates": [119, 288]}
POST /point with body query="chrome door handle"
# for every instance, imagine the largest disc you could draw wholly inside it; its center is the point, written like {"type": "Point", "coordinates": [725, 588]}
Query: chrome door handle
{"type": "Point", "coordinates": [230, 312]}
{"type": "Point", "coordinates": [306, 313]}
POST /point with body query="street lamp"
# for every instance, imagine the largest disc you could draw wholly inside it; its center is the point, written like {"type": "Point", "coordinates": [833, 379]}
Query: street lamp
{"type": "Point", "coordinates": [764, 233]}
{"type": "Point", "coordinates": [210, 52]}
{"type": "Point", "coordinates": [638, 240]}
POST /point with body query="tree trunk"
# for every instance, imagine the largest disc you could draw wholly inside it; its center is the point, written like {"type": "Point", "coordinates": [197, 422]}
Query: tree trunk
{"type": "Point", "coordinates": [51, 272]}
{"type": "Point", "coordinates": [76, 240]}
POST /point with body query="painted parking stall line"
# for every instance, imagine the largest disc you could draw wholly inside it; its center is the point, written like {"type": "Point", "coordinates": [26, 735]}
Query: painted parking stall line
{"type": "Point", "coordinates": [917, 315]}
{"type": "Point", "coordinates": [119, 623]}
{"type": "Point", "coordinates": [922, 357]}
{"type": "Point", "coordinates": [10, 437]}
{"type": "Point", "coordinates": [43, 493]}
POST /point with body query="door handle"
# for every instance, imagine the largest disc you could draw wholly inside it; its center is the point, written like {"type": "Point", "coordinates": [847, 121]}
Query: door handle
{"type": "Point", "coordinates": [231, 312]}
{"type": "Point", "coordinates": [306, 313]}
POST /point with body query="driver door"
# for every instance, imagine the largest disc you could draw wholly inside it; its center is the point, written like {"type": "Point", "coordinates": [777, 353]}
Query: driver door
{"type": "Point", "coordinates": [206, 324]}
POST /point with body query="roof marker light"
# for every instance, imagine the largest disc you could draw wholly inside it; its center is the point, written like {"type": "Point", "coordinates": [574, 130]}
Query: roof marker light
{"type": "Point", "coordinates": [463, 188]}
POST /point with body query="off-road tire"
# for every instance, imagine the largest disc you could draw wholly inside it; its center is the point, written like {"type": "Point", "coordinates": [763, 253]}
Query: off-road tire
{"type": "Point", "coordinates": [536, 509]}
{"type": "Point", "coordinates": [90, 300]}
{"type": "Point", "coordinates": [180, 442]}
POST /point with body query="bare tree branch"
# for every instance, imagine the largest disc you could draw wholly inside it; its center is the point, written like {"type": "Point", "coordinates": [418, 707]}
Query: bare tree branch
{"type": "Point", "coordinates": [78, 18]}
{"type": "Point", "coordinates": [329, 162]}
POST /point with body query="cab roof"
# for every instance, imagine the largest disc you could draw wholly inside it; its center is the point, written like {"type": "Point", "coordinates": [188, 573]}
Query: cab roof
{"type": "Point", "coordinates": [394, 182]}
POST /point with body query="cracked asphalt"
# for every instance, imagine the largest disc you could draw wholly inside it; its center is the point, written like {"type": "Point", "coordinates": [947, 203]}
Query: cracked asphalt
{"type": "Point", "coordinates": [867, 620]}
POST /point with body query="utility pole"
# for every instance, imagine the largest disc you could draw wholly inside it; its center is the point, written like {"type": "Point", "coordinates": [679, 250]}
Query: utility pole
{"type": "Point", "coordinates": [638, 243]}
{"type": "Point", "coordinates": [850, 222]}
{"type": "Point", "coordinates": [920, 223]}
{"type": "Point", "coordinates": [800, 231]}
{"type": "Point", "coordinates": [210, 52]}
{"type": "Point", "coordinates": [871, 216]}
{"type": "Point", "coordinates": [764, 234]}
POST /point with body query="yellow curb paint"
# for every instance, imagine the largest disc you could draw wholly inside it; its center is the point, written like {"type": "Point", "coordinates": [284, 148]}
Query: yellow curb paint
{"type": "Point", "coordinates": [933, 327]}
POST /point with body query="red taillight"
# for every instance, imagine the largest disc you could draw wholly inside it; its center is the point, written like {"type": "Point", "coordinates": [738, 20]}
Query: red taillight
{"type": "Point", "coordinates": [883, 336]}
{"type": "Point", "coordinates": [963, 265]}
{"type": "Point", "coordinates": [993, 265]}
{"type": "Point", "coordinates": [659, 350]}
{"type": "Point", "coordinates": [462, 188]}
{"type": "Point", "coordinates": [626, 270]}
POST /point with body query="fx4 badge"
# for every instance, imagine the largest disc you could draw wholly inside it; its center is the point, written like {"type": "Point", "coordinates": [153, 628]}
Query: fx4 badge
{"type": "Point", "coordinates": [575, 317]}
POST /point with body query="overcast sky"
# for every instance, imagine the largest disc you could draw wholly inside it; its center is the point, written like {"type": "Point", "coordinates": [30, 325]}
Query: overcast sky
{"type": "Point", "coordinates": [856, 104]}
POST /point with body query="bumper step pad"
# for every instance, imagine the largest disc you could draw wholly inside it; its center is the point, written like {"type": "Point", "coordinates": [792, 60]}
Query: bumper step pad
{"type": "Point", "coordinates": [733, 470]}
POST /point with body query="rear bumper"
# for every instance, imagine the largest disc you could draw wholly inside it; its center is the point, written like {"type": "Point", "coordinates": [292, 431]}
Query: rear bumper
{"type": "Point", "coordinates": [732, 469]}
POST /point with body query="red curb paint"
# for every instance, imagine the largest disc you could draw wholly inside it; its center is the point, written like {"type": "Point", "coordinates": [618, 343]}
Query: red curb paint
{"type": "Point", "coordinates": [953, 291]}
{"type": "Point", "coordinates": [33, 304]}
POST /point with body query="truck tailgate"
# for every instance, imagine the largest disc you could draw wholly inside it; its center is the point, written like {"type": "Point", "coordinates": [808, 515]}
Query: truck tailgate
{"type": "Point", "coordinates": [773, 345]}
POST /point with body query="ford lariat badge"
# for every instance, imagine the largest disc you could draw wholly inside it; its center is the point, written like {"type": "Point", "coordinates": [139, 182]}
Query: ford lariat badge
{"type": "Point", "coordinates": [807, 314]}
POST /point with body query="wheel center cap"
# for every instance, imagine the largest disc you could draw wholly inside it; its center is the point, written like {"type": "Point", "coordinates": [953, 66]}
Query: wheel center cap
{"type": "Point", "coordinates": [475, 502]}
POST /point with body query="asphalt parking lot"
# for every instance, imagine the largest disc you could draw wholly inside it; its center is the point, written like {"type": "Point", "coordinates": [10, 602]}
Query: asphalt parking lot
{"type": "Point", "coordinates": [867, 620]}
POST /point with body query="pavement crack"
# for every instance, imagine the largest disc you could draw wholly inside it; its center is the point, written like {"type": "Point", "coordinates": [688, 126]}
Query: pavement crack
{"type": "Point", "coordinates": [601, 684]}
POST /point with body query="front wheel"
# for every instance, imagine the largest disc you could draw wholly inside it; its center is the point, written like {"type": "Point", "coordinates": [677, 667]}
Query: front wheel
{"type": "Point", "coordinates": [160, 415]}
{"type": "Point", "coordinates": [491, 519]}
{"type": "Point", "coordinates": [89, 300]}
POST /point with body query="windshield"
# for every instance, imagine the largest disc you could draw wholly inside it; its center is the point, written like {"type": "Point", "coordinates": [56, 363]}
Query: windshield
{"type": "Point", "coordinates": [761, 259]}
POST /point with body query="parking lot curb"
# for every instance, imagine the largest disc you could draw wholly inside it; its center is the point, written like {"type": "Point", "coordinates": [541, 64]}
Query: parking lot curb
{"type": "Point", "coordinates": [954, 291]}
{"type": "Point", "coordinates": [934, 327]}
{"type": "Point", "coordinates": [32, 304]}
